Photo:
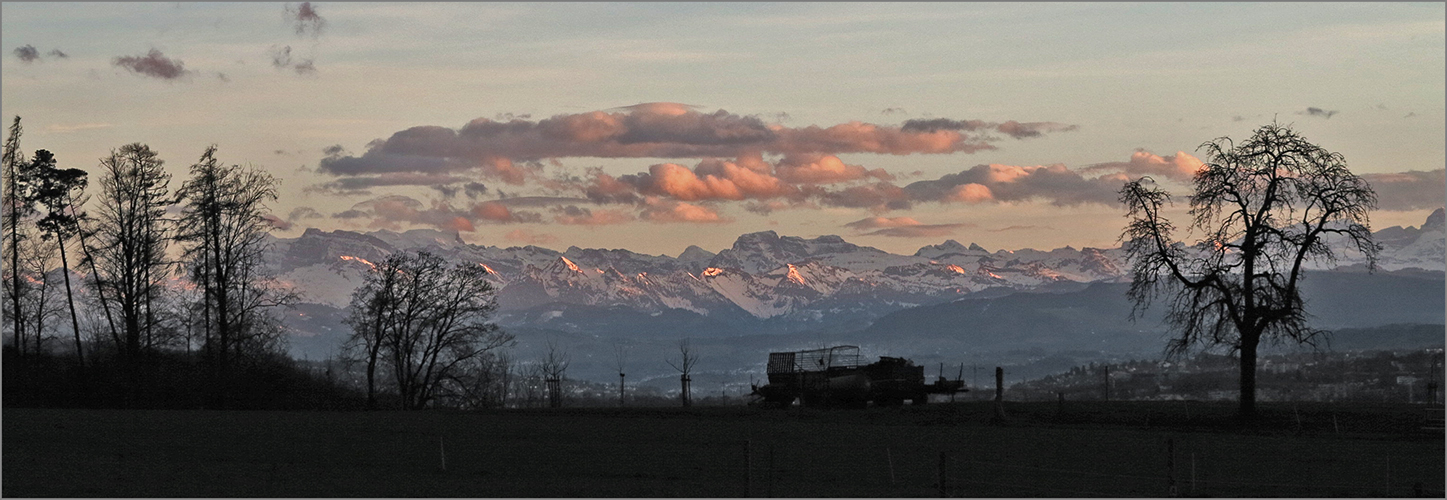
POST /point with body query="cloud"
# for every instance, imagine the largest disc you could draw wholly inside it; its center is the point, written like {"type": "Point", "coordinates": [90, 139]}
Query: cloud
{"type": "Point", "coordinates": [577, 216]}
{"type": "Point", "coordinates": [1020, 228]}
{"type": "Point", "coordinates": [305, 19]}
{"type": "Point", "coordinates": [27, 53]}
{"type": "Point", "coordinates": [303, 213]}
{"type": "Point", "coordinates": [395, 211]}
{"type": "Point", "coordinates": [1317, 112]}
{"type": "Point", "coordinates": [655, 130]}
{"type": "Point", "coordinates": [153, 64]}
{"type": "Point", "coordinates": [878, 196]}
{"type": "Point", "coordinates": [1011, 128]}
{"type": "Point", "coordinates": [663, 211]}
{"type": "Point", "coordinates": [903, 227]}
{"type": "Point", "coordinates": [306, 67]}
{"type": "Point", "coordinates": [57, 53]}
{"type": "Point", "coordinates": [493, 211]}
{"type": "Point", "coordinates": [281, 59]}
{"type": "Point", "coordinates": [334, 150]}
{"type": "Point", "coordinates": [280, 56]}
{"type": "Point", "coordinates": [530, 238]}
{"type": "Point", "coordinates": [921, 231]}
{"type": "Point", "coordinates": [1180, 166]}
{"type": "Point", "coordinates": [65, 129]}
{"type": "Point", "coordinates": [882, 222]}
{"type": "Point", "coordinates": [711, 180]}
{"type": "Point", "coordinates": [1413, 190]}
{"type": "Point", "coordinates": [360, 185]}
{"type": "Point", "coordinates": [1055, 184]}
{"type": "Point", "coordinates": [277, 222]}
{"type": "Point", "coordinates": [892, 111]}
{"type": "Point", "coordinates": [824, 169]}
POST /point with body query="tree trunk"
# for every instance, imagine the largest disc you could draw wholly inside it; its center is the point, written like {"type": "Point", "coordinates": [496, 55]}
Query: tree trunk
{"type": "Point", "coordinates": [99, 288]}
{"type": "Point", "coordinates": [74, 321]}
{"type": "Point", "coordinates": [1249, 343]}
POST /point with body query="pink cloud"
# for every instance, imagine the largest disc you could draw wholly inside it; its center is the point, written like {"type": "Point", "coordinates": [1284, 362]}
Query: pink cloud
{"type": "Point", "coordinates": [661, 210]}
{"type": "Point", "coordinates": [824, 169]}
{"type": "Point", "coordinates": [1180, 166]}
{"type": "Point", "coordinates": [652, 130]}
{"type": "Point", "coordinates": [277, 222]}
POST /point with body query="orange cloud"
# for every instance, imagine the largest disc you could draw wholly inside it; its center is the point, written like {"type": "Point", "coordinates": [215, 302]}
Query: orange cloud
{"type": "Point", "coordinates": [824, 169]}
{"type": "Point", "coordinates": [1180, 166]}
{"type": "Point", "coordinates": [661, 210]}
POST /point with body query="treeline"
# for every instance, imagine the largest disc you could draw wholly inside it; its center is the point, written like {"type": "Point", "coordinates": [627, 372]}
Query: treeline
{"type": "Point", "coordinates": [1364, 376]}
{"type": "Point", "coordinates": [134, 293]}
{"type": "Point", "coordinates": [128, 291]}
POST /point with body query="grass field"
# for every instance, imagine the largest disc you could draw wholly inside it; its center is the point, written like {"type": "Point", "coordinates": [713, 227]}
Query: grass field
{"type": "Point", "coordinates": [1081, 449]}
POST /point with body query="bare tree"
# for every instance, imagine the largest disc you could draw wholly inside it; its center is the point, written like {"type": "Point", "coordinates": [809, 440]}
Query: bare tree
{"type": "Point", "coordinates": [222, 229]}
{"type": "Point", "coordinates": [684, 363]}
{"type": "Point", "coordinates": [1263, 209]}
{"type": "Point", "coordinates": [17, 207]}
{"type": "Point", "coordinates": [130, 245]}
{"type": "Point", "coordinates": [553, 365]}
{"type": "Point", "coordinates": [56, 190]}
{"type": "Point", "coordinates": [427, 322]}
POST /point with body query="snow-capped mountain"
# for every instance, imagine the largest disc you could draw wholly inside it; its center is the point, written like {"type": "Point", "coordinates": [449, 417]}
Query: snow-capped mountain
{"type": "Point", "coordinates": [762, 277]}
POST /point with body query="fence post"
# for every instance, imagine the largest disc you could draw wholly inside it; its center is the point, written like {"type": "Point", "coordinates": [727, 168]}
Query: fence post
{"type": "Point", "coordinates": [943, 492]}
{"type": "Point", "coordinates": [1193, 473]}
{"type": "Point", "coordinates": [442, 452]}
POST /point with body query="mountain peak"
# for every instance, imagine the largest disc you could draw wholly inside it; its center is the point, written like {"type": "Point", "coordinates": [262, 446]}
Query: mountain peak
{"type": "Point", "coordinates": [695, 254]}
{"type": "Point", "coordinates": [1437, 220]}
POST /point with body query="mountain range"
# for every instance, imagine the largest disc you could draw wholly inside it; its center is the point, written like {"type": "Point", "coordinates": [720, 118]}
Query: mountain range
{"type": "Point", "coordinates": [768, 284]}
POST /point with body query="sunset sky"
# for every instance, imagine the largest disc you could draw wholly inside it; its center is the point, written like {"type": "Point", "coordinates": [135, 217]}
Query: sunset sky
{"type": "Point", "coordinates": [655, 126]}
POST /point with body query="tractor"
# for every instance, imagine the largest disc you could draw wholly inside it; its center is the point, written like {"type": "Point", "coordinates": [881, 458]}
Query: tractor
{"type": "Point", "coordinates": [834, 377]}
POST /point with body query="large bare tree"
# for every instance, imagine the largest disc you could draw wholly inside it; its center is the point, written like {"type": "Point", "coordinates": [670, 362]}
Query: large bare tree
{"type": "Point", "coordinates": [222, 229]}
{"type": "Point", "coordinates": [1261, 211]}
{"type": "Point", "coordinates": [423, 321]}
{"type": "Point", "coordinates": [129, 245]}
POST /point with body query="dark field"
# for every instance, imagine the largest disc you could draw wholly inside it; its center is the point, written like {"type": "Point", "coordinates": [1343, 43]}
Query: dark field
{"type": "Point", "coordinates": [1082, 449]}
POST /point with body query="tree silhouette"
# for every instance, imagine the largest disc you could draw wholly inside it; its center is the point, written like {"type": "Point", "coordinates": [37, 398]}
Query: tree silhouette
{"type": "Point", "coordinates": [56, 190]}
{"type": "Point", "coordinates": [426, 321]}
{"type": "Point", "coordinates": [222, 229]}
{"type": "Point", "coordinates": [131, 245]}
{"type": "Point", "coordinates": [17, 207]}
{"type": "Point", "coordinates": [1263, 209]}
{"type": "Point", "coordinates": [685, 362]}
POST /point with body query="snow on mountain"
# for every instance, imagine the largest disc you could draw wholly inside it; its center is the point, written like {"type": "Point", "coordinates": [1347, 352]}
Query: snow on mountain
{"type": "Point", "coordinates": [765, 251]}
{"type": "Point", "coordinates": [763, 276]}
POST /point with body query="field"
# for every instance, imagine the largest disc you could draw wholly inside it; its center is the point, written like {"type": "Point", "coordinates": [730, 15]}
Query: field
{"type": "Point", "coordinates": [1044, 449]}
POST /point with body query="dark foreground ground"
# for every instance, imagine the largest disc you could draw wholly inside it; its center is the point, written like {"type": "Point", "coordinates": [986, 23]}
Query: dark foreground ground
{"type": "Point", "coordinates": [1080, 449]}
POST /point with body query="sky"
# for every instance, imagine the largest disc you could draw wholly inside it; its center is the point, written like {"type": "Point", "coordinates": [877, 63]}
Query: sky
{"type": "Point", "coordinates": [656, 126]}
